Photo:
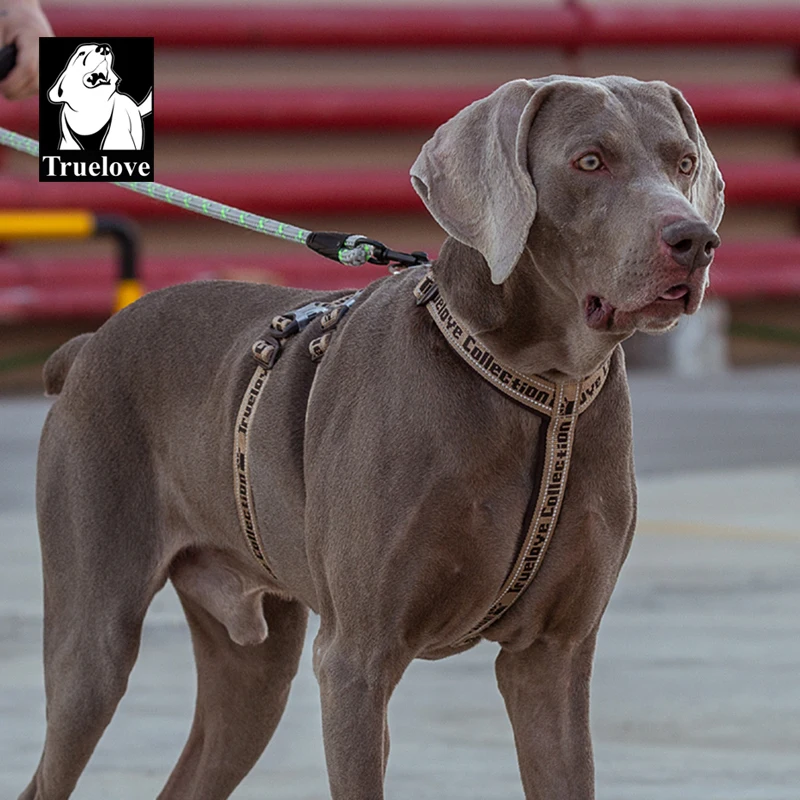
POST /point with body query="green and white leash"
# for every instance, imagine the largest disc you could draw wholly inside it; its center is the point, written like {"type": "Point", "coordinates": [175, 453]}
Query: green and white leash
{"type": "Point", "coordinates": [350, 249]}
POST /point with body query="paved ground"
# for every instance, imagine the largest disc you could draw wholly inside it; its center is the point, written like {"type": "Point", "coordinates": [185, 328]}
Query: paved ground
{"type": "Point", "coordinates": [697, 680]}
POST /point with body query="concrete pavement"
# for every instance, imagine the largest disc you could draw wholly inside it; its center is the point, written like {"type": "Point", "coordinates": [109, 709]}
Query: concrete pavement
{"type": "Point", "coordinates": [697, 680]}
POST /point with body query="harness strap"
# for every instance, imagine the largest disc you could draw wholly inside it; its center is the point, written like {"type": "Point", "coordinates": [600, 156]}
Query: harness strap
{"type": "Point", "coordinates": [266, 352]}
{"type": "Point", "coordinates": [241, 464]}
{"type": "Point", "coordinates": [559, 403]}
{"type": "Point", "coordinates": [532, 391]}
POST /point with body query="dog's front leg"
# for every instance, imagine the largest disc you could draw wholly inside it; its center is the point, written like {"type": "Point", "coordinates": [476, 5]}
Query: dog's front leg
{"type": "Point", "coordinates": [355, 686]}
{"type": "Point", "coordinates": [546, 691]}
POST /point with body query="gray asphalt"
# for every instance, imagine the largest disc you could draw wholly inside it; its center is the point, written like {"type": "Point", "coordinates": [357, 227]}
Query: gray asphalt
{"type": "Point", "coordinates": [696, 693]}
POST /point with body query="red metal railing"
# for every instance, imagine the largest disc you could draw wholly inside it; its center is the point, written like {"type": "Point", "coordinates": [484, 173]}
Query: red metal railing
{"type": "Point", "coordinates": [450, 26]}
{"type": "Point", "coordinates": [58, 287]}
{"type": "Point", "coordinates": [322, 192]}
{"type": "Point", "coordinates": [38, 288]}
{"type": "Point", "coordinates": [46, 288]}
{"type": "Point", "coordinates": [752, 269]}
{"type": "Point", "coordinates": [401, 109]}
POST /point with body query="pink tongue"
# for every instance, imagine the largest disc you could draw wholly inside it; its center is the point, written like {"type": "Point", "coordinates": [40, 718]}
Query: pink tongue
{"type": "Point", "coordinates": [675, 292]}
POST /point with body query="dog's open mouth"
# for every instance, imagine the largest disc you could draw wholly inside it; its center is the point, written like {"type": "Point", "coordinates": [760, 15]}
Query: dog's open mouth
{"type": "Point", "coordinates": [99, 77]}
{"type": "Point", "coordinates": [674, 301]}
{"type": "Point", "coordinates": [675, 292]}
{"type": "Point", "coordinates": [600, 314]}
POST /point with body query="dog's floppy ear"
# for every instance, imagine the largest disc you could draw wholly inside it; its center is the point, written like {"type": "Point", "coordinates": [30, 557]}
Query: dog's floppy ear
{"type": "Point", "coordinates": [708, 190]}
{"type": "Point", "coordinates": [473, 174]}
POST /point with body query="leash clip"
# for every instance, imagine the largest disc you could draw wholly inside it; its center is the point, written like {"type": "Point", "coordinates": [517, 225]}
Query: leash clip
{"type": "Point", "coordinates": [354, 250]}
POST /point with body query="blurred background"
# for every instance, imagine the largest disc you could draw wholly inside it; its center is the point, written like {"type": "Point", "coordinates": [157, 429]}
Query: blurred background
{"type": "Point", "coordinates": [312, 113]}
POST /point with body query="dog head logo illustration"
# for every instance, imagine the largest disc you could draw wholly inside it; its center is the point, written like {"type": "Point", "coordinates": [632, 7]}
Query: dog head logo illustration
{"type": "Point", "coordinates": [95, 115]}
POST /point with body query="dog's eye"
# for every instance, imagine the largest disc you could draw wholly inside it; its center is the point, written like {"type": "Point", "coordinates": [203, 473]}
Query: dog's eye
{"type": "Point", "coordinates": [687, 165]}
{"type": "Point", "coordinates": [591, 162]}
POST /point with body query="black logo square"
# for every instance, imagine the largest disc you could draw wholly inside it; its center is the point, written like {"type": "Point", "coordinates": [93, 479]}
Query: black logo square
{"type": "Point", "coordinates": [96, 109]}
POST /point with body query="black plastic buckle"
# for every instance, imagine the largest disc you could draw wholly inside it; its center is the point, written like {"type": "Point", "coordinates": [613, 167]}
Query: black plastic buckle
{"type": "Point", "coordinates": [425, 290]}
{"type": "Point", "coordinates": [266, 351]}
{"type": "Point", "coordinates": [294, 321]}
{"type": "Point", "coordinates": [394, 258]}
{"type": "Point", "coordinates": [317, 347]}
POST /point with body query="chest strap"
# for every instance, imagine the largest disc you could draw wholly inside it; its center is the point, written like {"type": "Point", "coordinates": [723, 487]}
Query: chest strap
{"type": "Point", "coordinates": [559, 403]}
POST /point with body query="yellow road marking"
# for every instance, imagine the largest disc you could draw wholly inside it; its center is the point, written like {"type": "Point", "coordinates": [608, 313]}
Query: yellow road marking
{"type": "Point", "coordinates": [710, 529]}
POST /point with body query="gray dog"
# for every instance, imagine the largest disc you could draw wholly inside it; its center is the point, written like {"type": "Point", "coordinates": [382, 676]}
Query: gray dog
{"type": "Point", "coordinates": [390, 481]}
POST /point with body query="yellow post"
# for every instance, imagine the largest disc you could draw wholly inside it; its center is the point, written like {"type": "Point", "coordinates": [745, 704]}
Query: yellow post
{"type": "Point", "coordinates": [76, 224]}
{"type": "Point", "coordinates": [128, 291]}
{"type": "Point", "coordinates": [46, 224]}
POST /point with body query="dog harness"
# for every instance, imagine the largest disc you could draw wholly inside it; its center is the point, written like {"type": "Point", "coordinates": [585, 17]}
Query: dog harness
{"type": "Point", "coordinates": [559, 404]}
{"type": "Point", "coordinates": [266, 352]}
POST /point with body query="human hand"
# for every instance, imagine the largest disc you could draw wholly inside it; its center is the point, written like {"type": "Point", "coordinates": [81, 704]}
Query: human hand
{"type": "Point", "coordinates": [22, 22]}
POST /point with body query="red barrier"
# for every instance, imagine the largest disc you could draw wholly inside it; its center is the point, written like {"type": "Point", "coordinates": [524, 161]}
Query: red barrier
{"type": "Point", "coordinates": [59, 288]}
{"type": "Point", "coordinates": [275, 193]}
{"type": "Point", "coordinates": [743, 104]}
{"type": "Point", "coordinates": [753, 269]}
{"type": "Point", "coordinates": [291, 194]}
{"type": "Point", "coordinates": [399, 109]}
{"type": "Point", "coordinates": [41, 288]}
{"type": "Point", "coordinates": [450, 26]}
{"type": "Point", "coordinates": [764, 183]}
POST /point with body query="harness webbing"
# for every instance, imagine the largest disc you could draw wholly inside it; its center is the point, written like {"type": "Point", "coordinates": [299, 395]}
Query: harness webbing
{"type": "Point", "coordinates": [532, 391]}
{"type": "Point", "coordinates": [266, 352]}
{"type": "Point", "coordinates": [559, 404]}
{"type": "Point", "coordinates": [241, 464]}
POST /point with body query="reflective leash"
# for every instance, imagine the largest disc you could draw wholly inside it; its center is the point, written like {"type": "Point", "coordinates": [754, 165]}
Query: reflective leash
{"type": "Point", "coordinates": [346, 248]}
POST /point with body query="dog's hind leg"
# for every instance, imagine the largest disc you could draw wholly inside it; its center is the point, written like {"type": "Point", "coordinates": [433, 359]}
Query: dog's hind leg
{"type": "Point", "coordinates": [101, 570]}
{"type": "Point", "coordinates": [242, 691]}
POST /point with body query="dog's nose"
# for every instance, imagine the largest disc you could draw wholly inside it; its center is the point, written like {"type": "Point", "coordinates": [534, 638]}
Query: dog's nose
{"type": "Point", "coordinates": [691, 242]}
{"type": "Point", "coordinates": [103, 49]}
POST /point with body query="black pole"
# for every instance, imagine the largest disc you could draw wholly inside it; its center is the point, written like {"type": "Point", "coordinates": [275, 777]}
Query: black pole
{"type": "Point", "coordinates": [126, 235]}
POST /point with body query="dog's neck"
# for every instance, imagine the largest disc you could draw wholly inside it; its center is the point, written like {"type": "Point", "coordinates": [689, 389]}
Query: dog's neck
{"type": "Point", "coordinates": [533, 326]}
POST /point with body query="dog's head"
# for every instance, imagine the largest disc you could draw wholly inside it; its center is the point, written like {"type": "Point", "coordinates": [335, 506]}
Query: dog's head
{"type": "Point", "coordinates": [88, 79]}
{"type": "Point", "coordinates": [607, 183]}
